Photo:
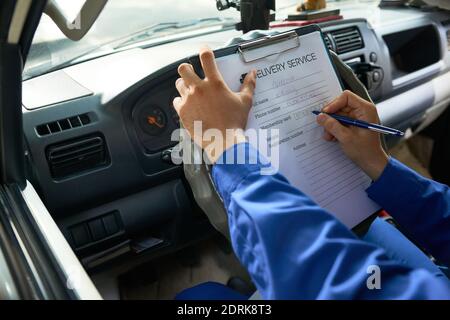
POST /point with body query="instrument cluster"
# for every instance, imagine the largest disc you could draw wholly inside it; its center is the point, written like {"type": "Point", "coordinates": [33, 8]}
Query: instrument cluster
{"type": "Point", "coordinates": [155, 119]}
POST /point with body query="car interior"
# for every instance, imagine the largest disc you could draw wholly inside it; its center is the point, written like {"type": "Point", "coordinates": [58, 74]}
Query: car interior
{"type": "Point", "coordinates": [98, 131]}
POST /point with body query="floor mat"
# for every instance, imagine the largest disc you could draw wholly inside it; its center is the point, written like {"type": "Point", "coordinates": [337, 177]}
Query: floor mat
{"type": "Point", "coordinates": [164, 278]}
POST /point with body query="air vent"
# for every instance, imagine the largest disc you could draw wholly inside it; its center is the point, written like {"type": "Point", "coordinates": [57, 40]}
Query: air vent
{"type": "Point", "coordinates": [448, 40]}
{"type": "Point", "coordinates": [328, 42]}
{"type": "Point", "coordinates": [64, 124]}
{"type": "Point", "coordinates": [445, 22]}
{"type": "Point", "coordinates": [77, 156]}
{"type": "Point", "coordinates": [346, 40]}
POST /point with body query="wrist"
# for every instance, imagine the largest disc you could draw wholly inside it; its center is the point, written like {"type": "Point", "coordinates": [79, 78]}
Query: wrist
{"type": "Point", "coordinates": [376, 165]}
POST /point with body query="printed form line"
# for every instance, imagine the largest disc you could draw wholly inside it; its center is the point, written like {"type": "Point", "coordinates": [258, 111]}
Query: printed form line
{"type": "Point", "coordinates": [294, 105]}
{"type": "Point", "coordinates": [331, 200]}
{"type": "Point", "coordinates": [333, 176]}
{"type": "Point", "coordinates": [287, 83]}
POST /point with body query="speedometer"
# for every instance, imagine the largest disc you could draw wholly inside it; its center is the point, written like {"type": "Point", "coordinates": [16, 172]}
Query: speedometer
{"type": "Point", "coordinates": [152, 120]}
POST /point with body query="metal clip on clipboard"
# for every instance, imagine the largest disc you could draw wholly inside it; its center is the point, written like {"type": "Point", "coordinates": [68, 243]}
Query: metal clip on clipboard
{"type": "Point", "coordinates": [268, 46]}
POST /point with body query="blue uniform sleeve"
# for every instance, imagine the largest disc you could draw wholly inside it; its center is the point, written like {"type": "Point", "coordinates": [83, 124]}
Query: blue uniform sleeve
{"type": "Point", "coordinates": [293, 249]}
{"type": "Point", "coordinates": [420, 205]}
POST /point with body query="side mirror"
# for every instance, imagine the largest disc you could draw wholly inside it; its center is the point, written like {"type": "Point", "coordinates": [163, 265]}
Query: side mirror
{"type": "Point", "coordinates": [77, 28]}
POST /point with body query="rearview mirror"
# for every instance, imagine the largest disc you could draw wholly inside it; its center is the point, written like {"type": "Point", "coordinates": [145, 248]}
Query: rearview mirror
{"type": "Point", "coordinates": [76, 27]}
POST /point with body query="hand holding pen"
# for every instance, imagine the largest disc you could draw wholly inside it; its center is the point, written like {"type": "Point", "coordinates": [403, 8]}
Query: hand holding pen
{"type": "Point", "coordinates": [363, 124]}
{"type": "Point", "coordinates": [360, 145]}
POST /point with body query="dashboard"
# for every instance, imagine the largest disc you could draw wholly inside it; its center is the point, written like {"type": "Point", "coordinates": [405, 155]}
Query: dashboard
{"type": "Point", "coordinates": [99, 133]}
{"type": "Point", "coordinates": [154, 119]}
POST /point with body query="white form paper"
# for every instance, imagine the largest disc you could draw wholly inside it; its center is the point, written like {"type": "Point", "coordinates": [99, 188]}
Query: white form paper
{"type": "Point", "coordinates": [289, 86]}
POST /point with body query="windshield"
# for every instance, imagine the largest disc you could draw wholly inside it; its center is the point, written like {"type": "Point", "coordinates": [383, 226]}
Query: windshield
{"type": "Point", "coordinates": [125, 22]}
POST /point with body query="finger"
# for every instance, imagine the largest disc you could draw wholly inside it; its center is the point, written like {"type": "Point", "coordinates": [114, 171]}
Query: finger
{"type": "Point", "coordinates": [209, 65]}
{"type": "Point", "coordinates": [347, 100]}
{"type": "Point", "coordinates": [183, 90]}
{"type": "Point", "coordinates": [333, 127]}
{"type": "Point", "coordinates": [249, 84]}
{"type": "Point", "coordinates": [177, 104]}
{"type": "Point", "coordinates": [186, 71]}
{"type": "Point", "coordinates": [327, 136]}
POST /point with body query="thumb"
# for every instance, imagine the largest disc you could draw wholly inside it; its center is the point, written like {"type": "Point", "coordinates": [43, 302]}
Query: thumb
{"type": "Point", "coordinates": [248, 86]}
{"type": "Point", "coordinates": [333, 126]}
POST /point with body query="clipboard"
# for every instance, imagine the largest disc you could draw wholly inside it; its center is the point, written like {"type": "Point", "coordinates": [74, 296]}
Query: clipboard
{"type": "Point", "coordinates": [266, 46]}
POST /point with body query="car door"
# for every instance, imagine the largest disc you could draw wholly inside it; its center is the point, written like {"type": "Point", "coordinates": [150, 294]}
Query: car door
{"type": "Point", "coordinates": [36, 262]}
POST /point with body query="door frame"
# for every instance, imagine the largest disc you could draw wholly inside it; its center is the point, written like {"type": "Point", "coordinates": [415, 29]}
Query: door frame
{"type": "Point", "coordinates": [40, 261]}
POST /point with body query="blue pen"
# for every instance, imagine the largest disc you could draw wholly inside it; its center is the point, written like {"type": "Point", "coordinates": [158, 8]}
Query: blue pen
{"type": "Point", "coordinates": [363, 124]}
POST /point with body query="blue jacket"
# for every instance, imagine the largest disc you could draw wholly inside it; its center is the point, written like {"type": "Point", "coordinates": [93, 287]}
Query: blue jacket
{"type": "Point", "coordinates": [294, 249]}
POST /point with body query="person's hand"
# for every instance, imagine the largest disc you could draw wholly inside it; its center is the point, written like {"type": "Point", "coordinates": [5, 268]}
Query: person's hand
{"type": "Point", "coordinates": [210, 101]}
{"type": "Point", "coordinates": [360, 145]}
